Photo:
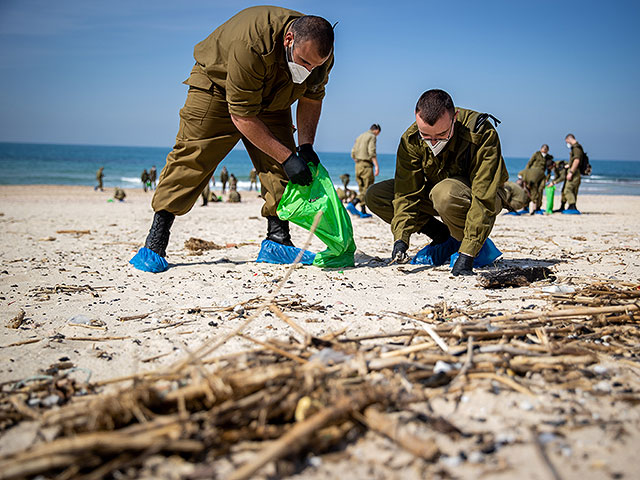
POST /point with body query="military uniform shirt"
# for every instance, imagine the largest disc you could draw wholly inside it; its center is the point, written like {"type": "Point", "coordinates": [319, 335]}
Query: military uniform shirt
{"type": "Point", "coordinates": [365, 146]}
{"type": "Point", "coordinates": [245, 57]}
{"type": "Point", "coordinates": [477, 157]}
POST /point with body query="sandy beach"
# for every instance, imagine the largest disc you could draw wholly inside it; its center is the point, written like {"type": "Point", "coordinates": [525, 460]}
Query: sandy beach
{"type": "Point", "coordinates": [103, 291]}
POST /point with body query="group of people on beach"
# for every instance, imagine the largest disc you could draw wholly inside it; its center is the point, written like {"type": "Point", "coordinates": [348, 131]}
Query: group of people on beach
{"type": "Point", "coordinates": [149, 178]}
{"type": "Point", "coordinates": [450, 175]}
{"type": "Point", "coordinates": [542, 174]}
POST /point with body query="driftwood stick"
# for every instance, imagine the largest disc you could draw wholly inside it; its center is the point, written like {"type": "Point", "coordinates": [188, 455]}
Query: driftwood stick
{"type": "Point", "coordinates": [275, 349]}
{"type": "Point", "coordinates": [569, 312]}
{"type": "Point", "coordinates": [206, 349]}
{"type": "Point", "coordinates": [384, 424]}
{"type": "Point", "coordinates": [286, 319]}
{"type": "Point", "coordinates": [507, 381]}
{"type": "Point", "coordinates": [405, 351]}
{"type": "Point", "coordinates": [297, 437]}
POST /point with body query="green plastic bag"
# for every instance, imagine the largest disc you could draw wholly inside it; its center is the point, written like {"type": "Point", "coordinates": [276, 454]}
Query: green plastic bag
{"type": "Point", "coordinates": [300, 204]}
{"type": "Point", "coordinates": [549, 192]}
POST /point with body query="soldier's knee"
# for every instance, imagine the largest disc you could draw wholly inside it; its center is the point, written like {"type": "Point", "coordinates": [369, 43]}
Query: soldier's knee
{"type": "Point", "coordinates": [373, 196]}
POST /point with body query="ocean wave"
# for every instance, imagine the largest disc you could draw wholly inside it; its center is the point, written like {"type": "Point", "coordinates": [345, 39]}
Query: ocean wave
{"type": "Point", "coordinates": [131, 180]}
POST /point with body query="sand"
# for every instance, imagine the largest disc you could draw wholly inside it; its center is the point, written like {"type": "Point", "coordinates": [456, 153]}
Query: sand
{"type": "Point", "coordinates": [603, 243]}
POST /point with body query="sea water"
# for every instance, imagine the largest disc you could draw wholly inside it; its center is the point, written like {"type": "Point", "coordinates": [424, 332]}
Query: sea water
{"type": "Point", "coordinates": [39, 164]}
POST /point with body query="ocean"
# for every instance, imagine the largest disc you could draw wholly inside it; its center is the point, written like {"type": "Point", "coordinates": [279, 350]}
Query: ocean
{"type": "Point", "coordinates": [39, 164]}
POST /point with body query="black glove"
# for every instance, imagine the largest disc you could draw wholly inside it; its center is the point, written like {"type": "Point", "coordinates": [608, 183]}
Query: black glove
{"type": "Point", "coordinates": [297, 170]}
{"type": "Point", "coordinates": [308, 155]}
{"type": "Point", "coordinates": [399, 253]}
{"type": "Point", "coordinates": [463, 265]}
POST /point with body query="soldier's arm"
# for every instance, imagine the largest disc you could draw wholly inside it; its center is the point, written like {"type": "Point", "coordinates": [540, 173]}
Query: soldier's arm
{"type": "Point", "coordinates": [245, 82]}
{"type": "Point", "coordinates": [487, 175]}
{"type": "Point", "coordinates": [373, 156]}
{"type": "Point", "coordinates": [409, 187]}
{"type": "Point", "coordinates": [308, 115]}
{"type": "Point", "coordinates": [531, 160]}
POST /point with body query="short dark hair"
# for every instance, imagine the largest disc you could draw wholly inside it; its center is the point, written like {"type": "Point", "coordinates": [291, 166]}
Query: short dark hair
{"type": "Point", "coordinates": [375, 126]}
{"type": "Point", "coordinates": [317, 29]}
{"type": "Point", "coordinates": [570, 135]}
{"type": "Point", "coordinates": [432, 104]}
{"type": "Point", "coordinates": [544, 145]}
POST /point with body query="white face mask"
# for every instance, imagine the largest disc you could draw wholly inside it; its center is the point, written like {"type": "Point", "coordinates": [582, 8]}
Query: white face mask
{"type": "Point", "coordinates": [298, 73]}
{"type": "Point", "coordinates": [568, 145]}
{"type": "Point", "coordinates": [438, 147]}
{"type": "Point", "coordinates": [543, 154]}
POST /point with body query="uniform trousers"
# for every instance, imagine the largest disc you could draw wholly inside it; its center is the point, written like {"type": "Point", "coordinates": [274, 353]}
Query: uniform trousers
{"type": "Point", "coordinates": [205, 136]}
{"type": "Point", "coordinates": [449, 199]}
{"type": "Point", "coordinates": [364, 178]}
{"type": "Point", "coordinates": [570, 189]}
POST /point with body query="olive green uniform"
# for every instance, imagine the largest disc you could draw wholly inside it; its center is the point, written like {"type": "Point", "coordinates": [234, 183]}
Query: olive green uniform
{"type": "Point", "coordinates": [119, 194]}
{"type": "Point", "coordinates": [240, 69]}
{"type": "Point", "coordinates": [363, 152]}
{"type": "Point", "coordinates": [144, 178]}
{"type": "Point", "coordinates": [253, 179]}
{"type": "Point", "coordinates": [463, 184]}
{"type": "Point", "coordinates": [224, 178]}
{"type": "Point", "coordinates": [570, 189]}
{"type": "Point", "coordinates": [516, 196]}
{"type": "Point", "coordinates": [153, 176]}
{"type": "Point", "coordinates": [534, 177]}
{"type": "Point", "coordinates": [99, 177]}
{"type": "Point", "coordinates": [234, 196]}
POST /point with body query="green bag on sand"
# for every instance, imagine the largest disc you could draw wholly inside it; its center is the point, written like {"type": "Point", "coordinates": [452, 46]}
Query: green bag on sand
{"type": "Point", "coordinates": [300, 204]}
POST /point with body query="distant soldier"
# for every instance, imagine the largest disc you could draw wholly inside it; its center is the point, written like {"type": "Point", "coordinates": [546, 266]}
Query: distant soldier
{"type": "Point", "coordinates": [153, 175]}
{"type": "Point", "coordinates": [206, 194]}
{"type": "Point", "coordinates": [119, 194]}
{"type": "Point", "coordinates": [346, 195]}
{"type": "Point", "coordinates": [224, 178]}
{"type": "Point", "coordinates": [234, 196]}
{"type": "Point", "coordinates": [572, 184]}
{"type": "Point", "coordinates": [99, 177]}
{"type": "Point", "coordinates": [144, 178]}
{"type": "Point", "coordinates": [253, 179]}
{"type": "Point", "coordinates": [233, 182]}
{"type": "Point", "coordinates": [534, 176]}
{"type": "Point", "coordinates": [516, 196]}
{"type": "Point", "coordinates": [364, 154]}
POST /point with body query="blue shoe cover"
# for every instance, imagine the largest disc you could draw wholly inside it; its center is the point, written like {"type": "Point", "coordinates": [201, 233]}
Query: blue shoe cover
{"type": "Point", "coordinates": [365, 215]}
{"type": "Point", "coordinates": [524, 210]}
{"type": "Point", "coordinates": [273, 252]}
{"type": "Point", "coordinates": [572, 211]}
{"type": "Point", "coordinates": [351, 208]}
{"type": "Point", "coordinates": [539, 212]}
{"type": "Point", "coordinates": [513, 213]}
{"type": "Point", "coordinates": [436, 254]}
{"type": "Point", "coordinates": [488, 254]}
{"type": "Point", "coordinates": [149, 261]}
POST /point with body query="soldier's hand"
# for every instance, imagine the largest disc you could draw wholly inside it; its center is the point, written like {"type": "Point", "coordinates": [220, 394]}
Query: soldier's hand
{"type": "Point", "coordinates": [399, 253]}
{"type": "Point", "coordinates": [463, 265]}
{"type": "Point", "coordinates": [308, 154]}
{"type": "Point", "coordinates": [297, 170]}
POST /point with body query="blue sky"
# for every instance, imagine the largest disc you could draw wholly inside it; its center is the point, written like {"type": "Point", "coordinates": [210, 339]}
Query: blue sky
{"type": "Point", "coordinates": [110, 73]}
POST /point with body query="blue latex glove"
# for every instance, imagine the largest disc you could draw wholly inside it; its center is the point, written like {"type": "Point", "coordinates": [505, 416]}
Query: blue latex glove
{"type": "Point", "coordinates": [273, 252]}
{"type": "Point", "coordinates": [572, 211]}
{"type": "Point", "coordinates": [488, 254]}
{"type": "Point", "coordinates": [436, 254]}
{"type": "Point", "coordinates": [149, 261]}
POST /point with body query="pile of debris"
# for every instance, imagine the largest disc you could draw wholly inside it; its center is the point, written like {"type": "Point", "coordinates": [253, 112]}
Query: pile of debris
{"type": "Point", "coordinates": [287, 400]}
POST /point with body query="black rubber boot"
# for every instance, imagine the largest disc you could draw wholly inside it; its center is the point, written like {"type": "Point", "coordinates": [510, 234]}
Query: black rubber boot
{"type": "Point", "coordinates": [561, 209]}
{"type": "Point", "coordinates": [436, 231]}
{"type": "Point", "coordinates": [572, 206]}
{"type": "Point", "coordinates": [278, 231]}
{"type": "Point", "coordinates": [363, 208]}
{"type": "Point", "coordinates": [158, 237]}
